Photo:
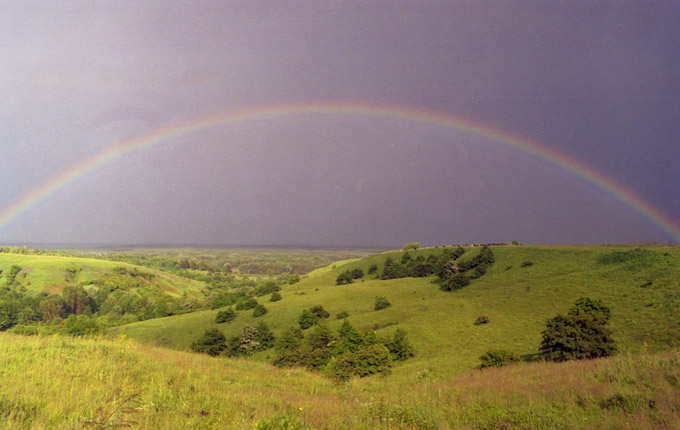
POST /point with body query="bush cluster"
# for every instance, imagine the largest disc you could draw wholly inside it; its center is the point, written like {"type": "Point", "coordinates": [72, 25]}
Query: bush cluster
{"type": "Point", "coordinates": [498, 358]}
{"type": "Point", "coordinates": [443, 265]}
{"type": "Point", "coordinates": [249, 340]}
{"type": "Point", "coordinates": [343, 355]}
{"type": "Point", "coordinates": [312, 316]}
{"type": "Point", "coordinates": [348, 276]}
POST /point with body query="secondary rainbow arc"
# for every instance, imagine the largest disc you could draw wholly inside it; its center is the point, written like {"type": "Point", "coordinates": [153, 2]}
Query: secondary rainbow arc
{"type": "Point", "coordinates": [174, 130]}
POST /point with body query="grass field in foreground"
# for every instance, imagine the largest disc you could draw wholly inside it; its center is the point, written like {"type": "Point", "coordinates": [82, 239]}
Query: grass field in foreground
{"type": "Point", "coordinates": [74, 383]}
{"type": "Point", "coordinates": [518, 297]}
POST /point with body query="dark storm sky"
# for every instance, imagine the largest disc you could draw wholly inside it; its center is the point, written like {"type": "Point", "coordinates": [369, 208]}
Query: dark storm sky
{"type": "Point", "coordinates": [597, 80]}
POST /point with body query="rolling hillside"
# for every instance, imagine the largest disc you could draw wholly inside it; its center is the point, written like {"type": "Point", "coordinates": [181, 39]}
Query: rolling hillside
{"type": "Point", "coordinates": [526, 286]}
{"type": "Point", "coordinates": [46, 273]}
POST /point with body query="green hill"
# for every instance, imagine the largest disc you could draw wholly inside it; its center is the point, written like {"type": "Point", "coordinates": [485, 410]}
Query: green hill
{"type": "Point", "coordinates": [50, 274]}
{"type": "Point", "coordinates": [526, 286]}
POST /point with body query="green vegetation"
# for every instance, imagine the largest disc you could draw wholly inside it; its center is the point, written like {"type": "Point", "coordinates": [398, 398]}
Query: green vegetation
{"type": "Point", "coordinates": [341, 356]}
{"type": "Point", "coordinates": [64, 383]}
{"type": "Point", "coordinates": [580, 334]}
{"type": "Point", "coordinates": [348, 276]}
{"type": "Point", "coordinates": [225, 316]}
{"type": "Point", "coordinates": [381, 303]}
{"type": "Point", "coordinates": [425, 345]}
{"type": "Point", "coordinates": [517, 301]}
{"type": "Point", "coordinates": [411, 246]}
{"type": "Point", "coordinates": [213, 342]}
{"type": "Point", "coordinates": [259, 311]}
{"type": "Point", "coordinates": [498, 358]}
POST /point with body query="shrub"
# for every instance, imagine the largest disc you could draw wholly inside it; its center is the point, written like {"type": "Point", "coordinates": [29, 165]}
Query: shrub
{"type": "Point", "coordinates": [497, 358]}
{"type": "Point", "coordinates": [399, 347]}
{"type": "Point", "coordinates": [447, 270]}
{"type": "Point", "coordinates": [594, 308]}
{"type": "Point", "coordinates": [247, 341]}
{"type": "Point", "coordinates": [580, 334]}
{"type": "Point", "coordinates": [79, 325]}
{"type": "Point", "coordinates": [264, 336]}
{"type": "Point", "coordinates": [367, 361]}
{"type": "Point", "coordinates": [482, 319]}
{"type": "Point", "coordinates": [344, 278]}
{"type": "Point", "coordinates": [221, 300]}
{"type": "Point", "coordinates": [225, 316]}
{"type": "Point", "coordinates": [266, 288]}
{"type": "Point", "coordinates": [247, 304]}
{"type": "Point", "coordinates": [357, 274]}
{"type": "Point", "coordinates": [392, 269]}
{"type": "Point", "coordinates": [259, 310]}
{"type": "Point", "coordinates": [480, 262]}
{"type": "Point", "coordinates": [454, 283]}
{"type": "Point", "coordinates": [290, 339]}
{"type": "Point", "coordinates": [381, 303]}
{"type": "Point", "coordinates": [372, 269]}
{"type": "Point", "coordinates": [350, 339]}
{"type": "Point", "coordinates": [319, 311]}
{"type": "Point", "coordinates": [213, 342]}
{"type": "Point", "coordinates": [306, 320]}
{"type": "Point", "coordinates": [276, 296]}
{"type": "Point", "coordinates": [341, 315]}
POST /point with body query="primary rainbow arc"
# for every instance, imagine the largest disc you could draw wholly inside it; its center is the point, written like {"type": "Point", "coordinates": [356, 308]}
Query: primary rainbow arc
{"type": "Point", "coordinates": [177, 129]}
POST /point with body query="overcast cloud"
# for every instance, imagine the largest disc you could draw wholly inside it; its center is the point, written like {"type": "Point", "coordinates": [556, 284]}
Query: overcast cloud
{"type": "Point", "coordinates": [597, 80]}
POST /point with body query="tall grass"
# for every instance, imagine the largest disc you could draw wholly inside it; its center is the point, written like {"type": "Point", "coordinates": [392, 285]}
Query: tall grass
{"type": "Point", "coordinates": [66, 383]}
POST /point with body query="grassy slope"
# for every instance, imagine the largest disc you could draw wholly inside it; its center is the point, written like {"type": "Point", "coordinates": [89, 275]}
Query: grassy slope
{"type": "Point", "coordinates": [518, 300]}
{"type": "Point", "coordinates": [64, 383]}
{"type": "Point", "coordinates": [47, 273]}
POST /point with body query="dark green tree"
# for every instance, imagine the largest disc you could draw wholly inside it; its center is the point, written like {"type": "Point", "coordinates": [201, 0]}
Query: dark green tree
{"type": "Point", "coordinates": [455, 283]}
{"type": "Point", "coordinates": [213, 342]}
{"type": "Point", "coordinates": [399, 346]}
{"type": "Point", "coordinates": [582, 333]}
{"type": "Point", "coordinates": [259, 311]}
{"type": "Point", "coordinates": [264, 336]}
{"type": "Point", "coordinates": [289, 339]}
{"type": "Point", "coordinates": [357, 274]}
{"type": "Point", "coordinates": [225, 316]}
{"type": "Point", "coordinates": [344, 278]}
{"type": "Point", "coordinates": [350, 339]}
{"type": "Point", "coordinates": [307, 319]}
{"type": "Point", "coordinates": [319, 311]}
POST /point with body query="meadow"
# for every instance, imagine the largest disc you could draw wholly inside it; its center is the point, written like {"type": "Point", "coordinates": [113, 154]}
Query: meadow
{"type": "Point", "coordinates": [56, 382]}
{"type": "Point", "coordinates": [142, 375]}
{"type": "Point", "coordinates": [517, 297]}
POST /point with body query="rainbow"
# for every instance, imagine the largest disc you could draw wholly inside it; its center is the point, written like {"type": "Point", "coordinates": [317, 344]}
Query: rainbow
{"type": "Point", "coordinates": [174, 130]}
